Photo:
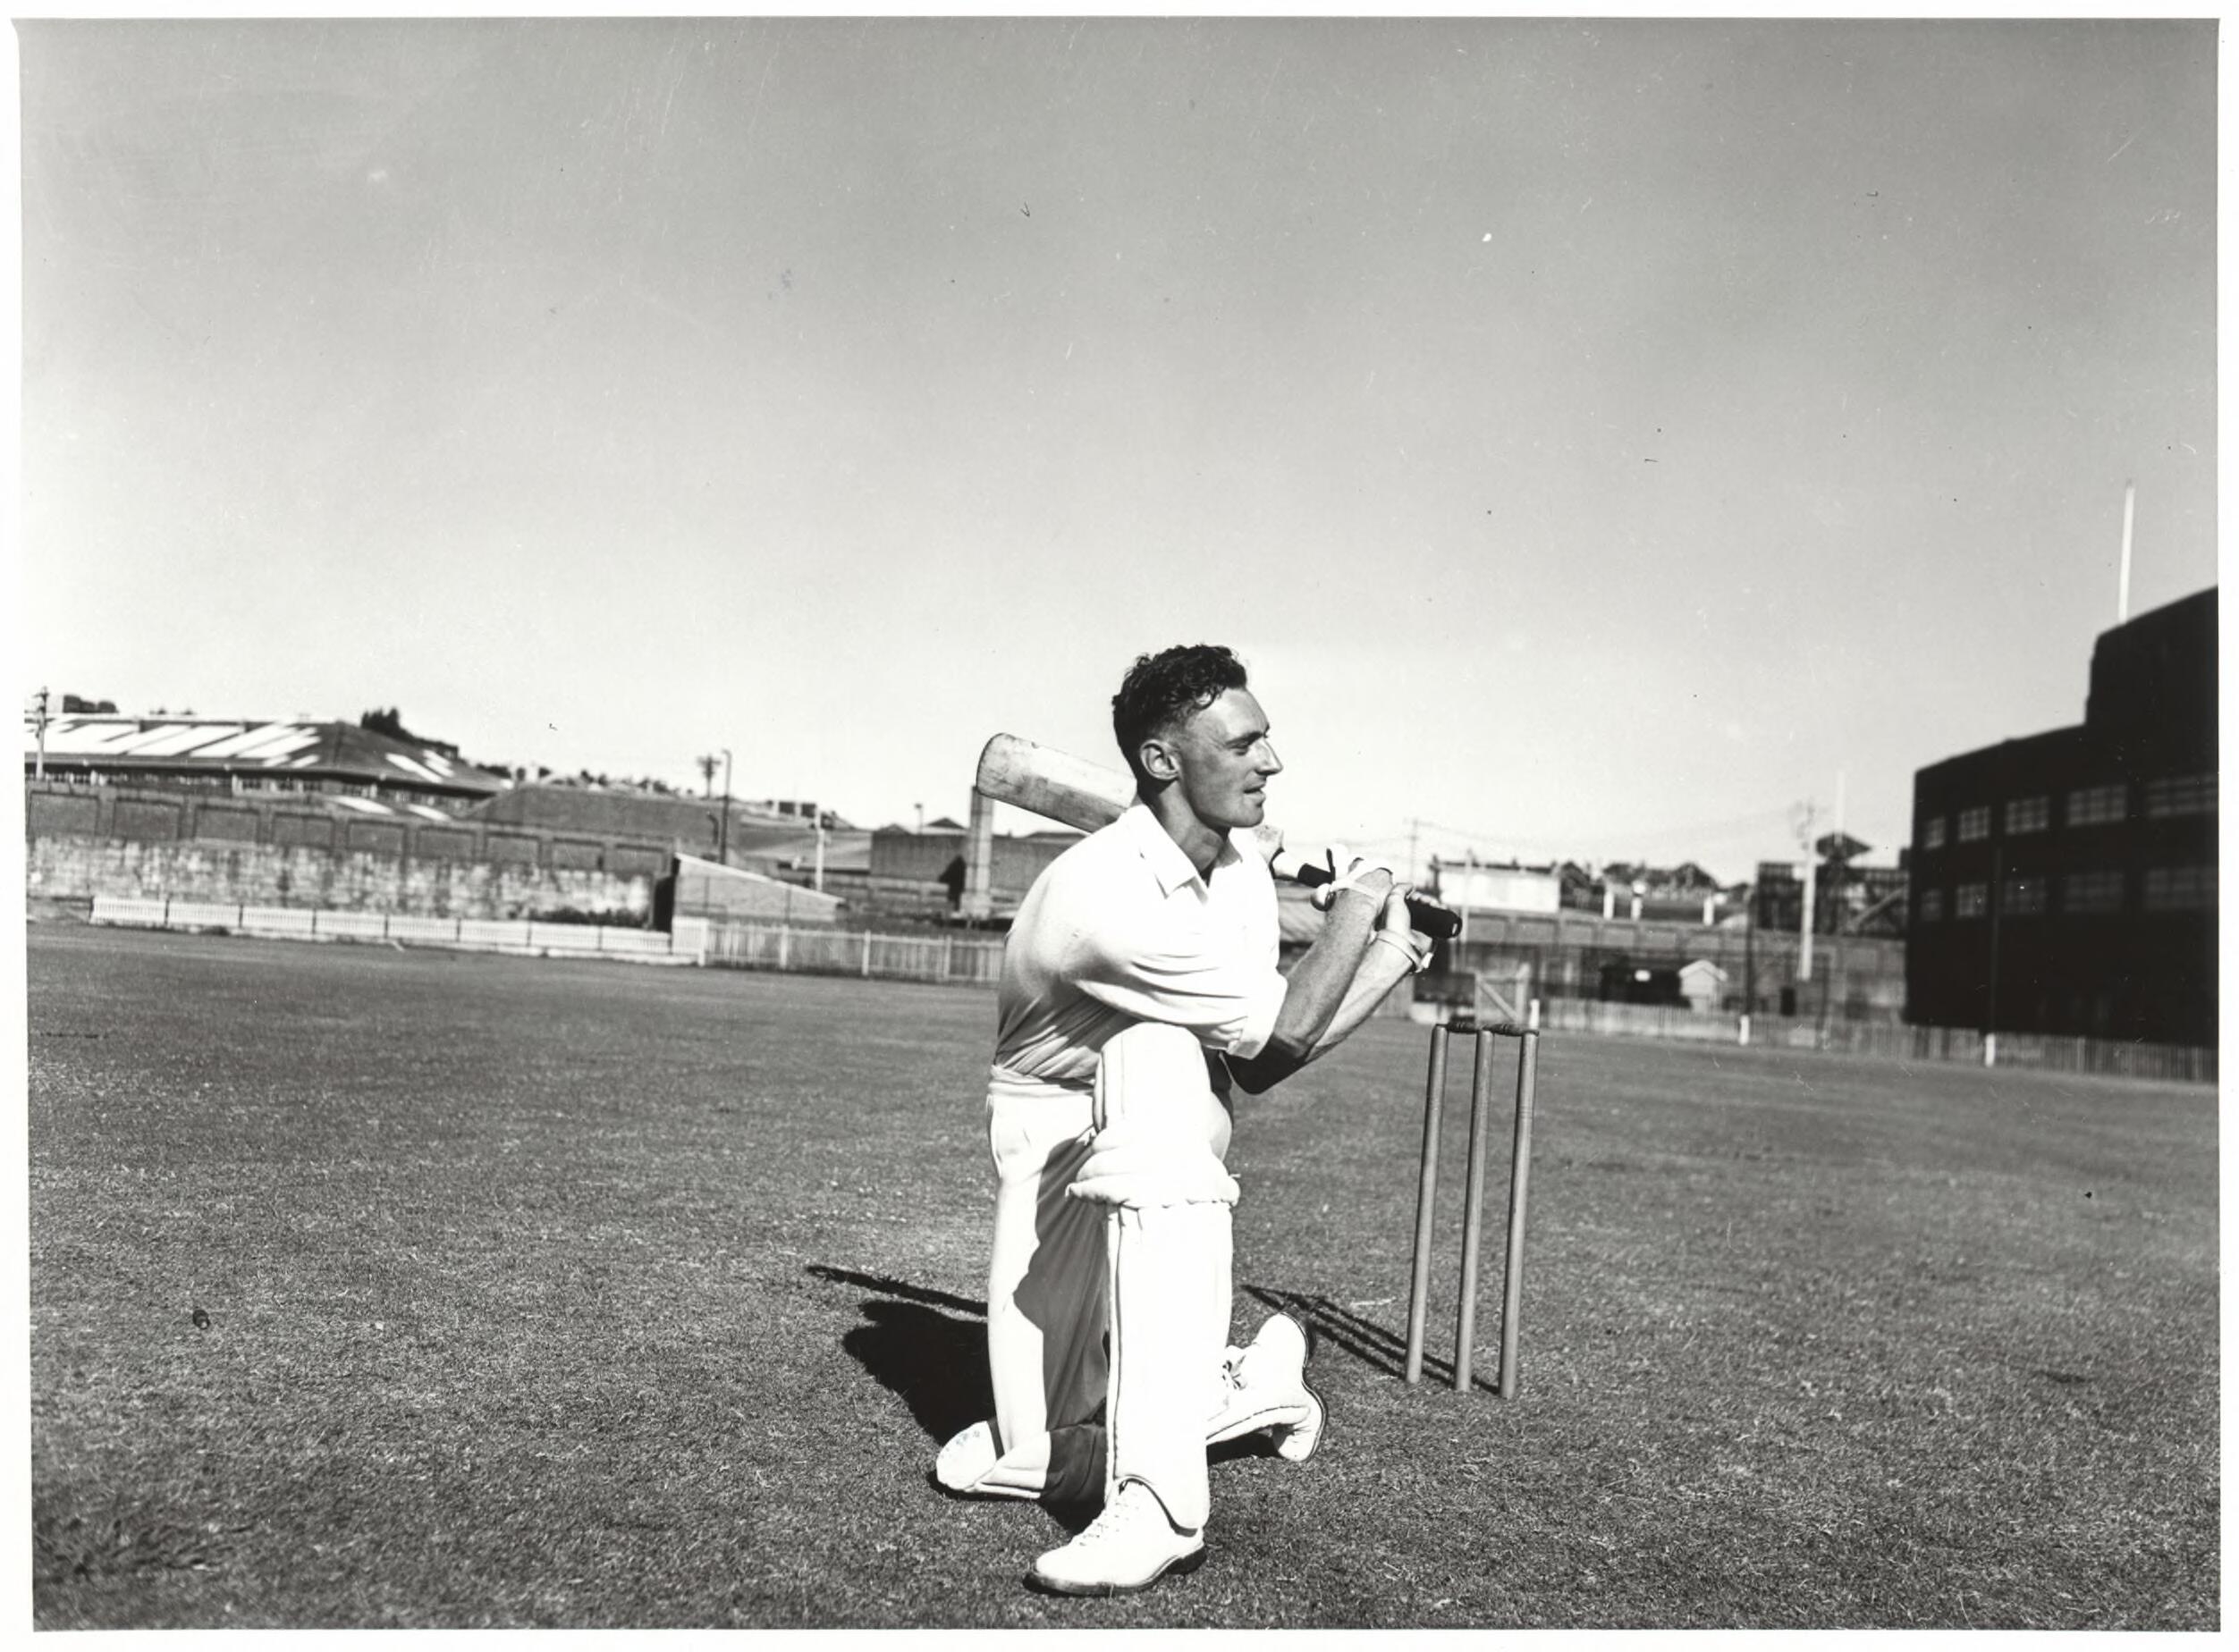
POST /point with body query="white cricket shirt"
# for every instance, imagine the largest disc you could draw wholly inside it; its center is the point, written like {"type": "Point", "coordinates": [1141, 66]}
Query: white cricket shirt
{"type": "Point", "coordinates": [1120, 929]}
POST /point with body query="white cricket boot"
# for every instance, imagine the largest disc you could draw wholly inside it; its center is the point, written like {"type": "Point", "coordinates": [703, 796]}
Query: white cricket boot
{"type": "Point", "coordinates": [1130, 1547]}
{"type": "Point", "coordinates": [1266, 1389]}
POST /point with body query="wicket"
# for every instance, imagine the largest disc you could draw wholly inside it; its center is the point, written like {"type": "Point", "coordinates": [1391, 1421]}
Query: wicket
{"type": "Point", "coordinates": [1472, 1210]}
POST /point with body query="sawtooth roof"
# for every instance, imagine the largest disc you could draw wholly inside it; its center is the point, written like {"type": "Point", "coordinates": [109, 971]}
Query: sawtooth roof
{"type": "Point", "coordinates": [123, 746]}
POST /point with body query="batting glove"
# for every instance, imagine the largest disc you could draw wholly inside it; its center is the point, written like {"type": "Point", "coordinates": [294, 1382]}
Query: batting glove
{"type": "Point", "coordinates": [1357, 869]}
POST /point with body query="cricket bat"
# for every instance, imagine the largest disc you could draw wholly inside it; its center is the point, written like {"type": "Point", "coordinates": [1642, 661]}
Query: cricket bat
{"type": "Point", "coordinates": [1076, 792]}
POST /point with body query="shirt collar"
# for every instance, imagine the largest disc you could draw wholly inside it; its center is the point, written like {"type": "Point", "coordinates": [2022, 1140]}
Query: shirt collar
{"type": "Point", "coordinates": [1162, 854]}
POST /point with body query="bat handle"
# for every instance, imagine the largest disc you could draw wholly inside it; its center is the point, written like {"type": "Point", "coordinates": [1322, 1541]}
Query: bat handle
{"type": "Point", "coordinates": [1426, 914]}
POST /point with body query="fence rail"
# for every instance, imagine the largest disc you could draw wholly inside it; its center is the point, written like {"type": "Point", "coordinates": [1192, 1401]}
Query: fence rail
{"type": "Point", "coordinates": [2043, 1051]}
{"type": "Point", "coordinates": [524, 936]}
{"type": "Point", "coordinates": [972, 960]}
{"type": "Point", "coordinates": [959, 959]}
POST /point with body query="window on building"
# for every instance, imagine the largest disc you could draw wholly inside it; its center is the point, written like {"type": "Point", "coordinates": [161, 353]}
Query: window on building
{"type": "Point", "coordinates": [2094, 805]}
{"type": "Point", "coordinates": [2184, 793]}
{"type": "Point", "coordinates": [2022, 897]}
{"type": "Point", "coordinates": [2028, 814]}
{"type": "Point", "coordinates": [1932, 832]}
{"type": "Point", "coordinates": [2083, 892]}
{"type": "Point", "coordinates": [1974, 823]}
{"type": "Point", "coordinates": [1931, 905]}
{"type": "Point", "coordinates": [2180, 888]}
{"type": "Point", "coordinates": [1971, 900]}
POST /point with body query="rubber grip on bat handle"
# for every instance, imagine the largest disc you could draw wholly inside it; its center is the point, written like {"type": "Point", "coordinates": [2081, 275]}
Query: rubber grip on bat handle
{"type": "Point", "coordinates": [1432, 919]}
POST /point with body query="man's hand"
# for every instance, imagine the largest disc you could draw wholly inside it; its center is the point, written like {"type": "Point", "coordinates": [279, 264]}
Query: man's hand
{"type": "Point", "coordinates": [1269, 842]}
{"type": "Point", "coordinates": [1369, 876]}
{"type": "Point", "coordinates": [1395, 924]}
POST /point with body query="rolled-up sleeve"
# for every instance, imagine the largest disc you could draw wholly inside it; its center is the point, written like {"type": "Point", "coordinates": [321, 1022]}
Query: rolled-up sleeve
{"type": "Point", "coordinates": [1229, 1003]}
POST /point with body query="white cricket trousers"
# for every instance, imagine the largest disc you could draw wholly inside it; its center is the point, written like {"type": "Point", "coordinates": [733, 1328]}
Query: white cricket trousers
{"type": "Point", "coordinates": [1145, 1264]}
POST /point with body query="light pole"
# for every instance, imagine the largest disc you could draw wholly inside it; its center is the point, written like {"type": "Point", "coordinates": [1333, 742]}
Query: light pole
{"type": "Point", "coordinates": [38, 764]}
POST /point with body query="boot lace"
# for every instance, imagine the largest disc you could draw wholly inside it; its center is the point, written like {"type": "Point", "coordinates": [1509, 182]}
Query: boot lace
{"type": "Point", "coordinates": [1133, 1506]}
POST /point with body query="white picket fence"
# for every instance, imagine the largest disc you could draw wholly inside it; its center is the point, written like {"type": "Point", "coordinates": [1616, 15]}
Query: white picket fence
{"type": "Point", "coordinates": [523, 936]}
{"type": "Point", "coordinates": [972, 960]}
{"type": "Point", "coordinates": [963, 960]}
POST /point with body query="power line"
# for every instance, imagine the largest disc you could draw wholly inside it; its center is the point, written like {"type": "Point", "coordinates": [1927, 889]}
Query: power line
{"type": "Point", "coordinates": [1708, 830]}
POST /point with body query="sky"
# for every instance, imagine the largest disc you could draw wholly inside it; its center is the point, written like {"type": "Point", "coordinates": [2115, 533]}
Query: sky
{"type": "Point", "coordinates": [1598, 439]}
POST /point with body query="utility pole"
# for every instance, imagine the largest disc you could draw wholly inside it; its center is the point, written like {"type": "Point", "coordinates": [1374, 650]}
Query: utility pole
{"type": "Point", "coordinates": [1808, 815]}
{"type": "Point", "coordinates": [722, 841]}
{"type": "Point", "coordinates": [1749, 947]}
{"type": "Point", "coordinates": [1842, 896]}
{"type": "Point", "coordinates": [38, 764]}
{"type": "Point", "coordinates": [707, 772]}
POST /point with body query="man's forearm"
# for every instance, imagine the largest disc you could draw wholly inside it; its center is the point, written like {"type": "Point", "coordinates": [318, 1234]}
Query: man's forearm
{"type": "Point", "coordinates": [1320, 980]}
{"type": "Point", "coordinates": [1318, 990]}
{"type": "Point", "coordinates": [1384, 968]}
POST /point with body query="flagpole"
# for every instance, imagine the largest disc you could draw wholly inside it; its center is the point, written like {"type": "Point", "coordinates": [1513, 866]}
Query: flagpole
{"type": "Point", "coordinates": [2122, 592]}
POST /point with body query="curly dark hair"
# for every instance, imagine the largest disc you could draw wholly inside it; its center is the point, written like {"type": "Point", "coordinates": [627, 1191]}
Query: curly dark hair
{"type": "Point", "coordinates": [1163, 689]}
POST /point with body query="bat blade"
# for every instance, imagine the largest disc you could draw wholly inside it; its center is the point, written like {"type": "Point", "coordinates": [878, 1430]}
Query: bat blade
{"type": "Point", "coordinates": [1074, 792]}
{"type": "Point", "coordinates": [1056, 785]}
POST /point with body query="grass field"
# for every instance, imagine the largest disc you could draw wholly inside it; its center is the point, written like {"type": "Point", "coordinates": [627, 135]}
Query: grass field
{"type": "Point", "coordinates": [582, 1294]}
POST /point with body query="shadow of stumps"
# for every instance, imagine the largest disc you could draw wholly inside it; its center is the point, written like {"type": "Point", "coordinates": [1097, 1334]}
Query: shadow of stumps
{"type": "Point", "coordinates": [1375, 1345]}
{"type": "Point", "coordinates": [929, 1349]}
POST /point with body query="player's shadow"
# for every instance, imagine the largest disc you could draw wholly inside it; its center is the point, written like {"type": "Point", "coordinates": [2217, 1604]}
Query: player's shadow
{"type": "Point", "coordinates": [1371, 1344]}
{"type": "Point", "coordinates": [927, 1347]}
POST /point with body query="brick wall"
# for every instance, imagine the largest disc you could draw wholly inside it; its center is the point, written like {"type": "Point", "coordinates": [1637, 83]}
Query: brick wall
{"type": "Point", "coordinates": [349, 881]}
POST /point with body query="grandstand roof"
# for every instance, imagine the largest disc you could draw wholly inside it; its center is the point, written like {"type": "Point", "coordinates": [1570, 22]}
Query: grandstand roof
{"type": "Point", "coordinates": [128, 745]}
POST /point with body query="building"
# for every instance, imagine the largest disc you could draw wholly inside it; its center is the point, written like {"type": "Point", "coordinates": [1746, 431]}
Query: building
{"type": "Point", "coordinates": [1846, 898]}
{"type": "Point", "coordinates": [335, 760]}
{"type": "Point", "coordinates": [706, 888]}
{"type": "Point", "coordinates": [932, 864]}
{"type": "Point", "coordinates": [1702, 984]}
{"type": "Point", "coordinates": [2065, 881]}
{"type": "Point", "coordinates": [1684, 893]}
{"type": "Point", "coordinates": [293, 848]}
{"type": "Point", "coordinates": [1483, 886]}
{"type": "Point", "coordinates": [751, 834]}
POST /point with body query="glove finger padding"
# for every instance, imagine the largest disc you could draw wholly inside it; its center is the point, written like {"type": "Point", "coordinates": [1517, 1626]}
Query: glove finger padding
{"type": "Point", "coordinates": [1347, 871]}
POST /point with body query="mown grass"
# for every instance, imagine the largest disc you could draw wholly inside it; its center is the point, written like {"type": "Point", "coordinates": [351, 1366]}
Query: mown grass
{"type": "Point", "coordinates": [576, 1294]}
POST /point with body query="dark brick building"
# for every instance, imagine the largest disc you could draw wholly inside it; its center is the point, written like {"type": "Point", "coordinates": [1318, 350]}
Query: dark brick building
{"type": "Point", "coordinates": [937, 855]}
{"type": "Point", "coordinates": [2066, 883]}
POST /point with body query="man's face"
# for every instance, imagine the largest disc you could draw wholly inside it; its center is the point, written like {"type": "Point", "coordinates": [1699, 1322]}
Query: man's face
{"type": "Point", "coordinates": [1225, 761]}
